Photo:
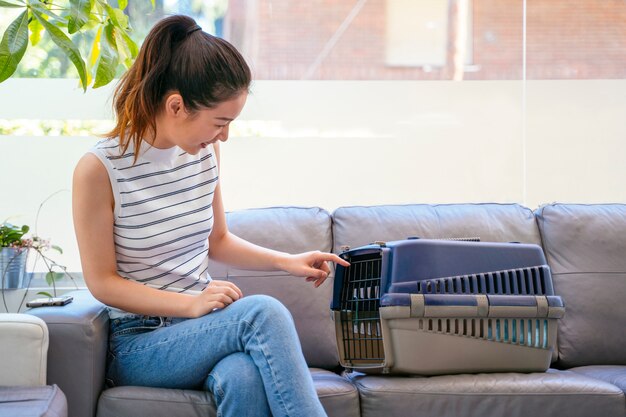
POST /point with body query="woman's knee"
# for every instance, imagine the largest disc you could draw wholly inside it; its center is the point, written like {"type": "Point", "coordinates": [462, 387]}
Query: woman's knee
{"type": "Point", "coordinates": [236, 373]}
{"type": "Point", "coordinates": [266, 307]}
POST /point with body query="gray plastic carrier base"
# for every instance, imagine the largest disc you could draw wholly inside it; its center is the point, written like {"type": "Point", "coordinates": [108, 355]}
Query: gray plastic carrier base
{"type": "Point", "coordinates": [437, 346]}
{"type": "Point", "coordinates": [447, 346]}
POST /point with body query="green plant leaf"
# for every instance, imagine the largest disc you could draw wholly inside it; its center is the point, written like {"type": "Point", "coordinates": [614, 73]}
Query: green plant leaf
{"type": "Point", "coordinates": [108, 58]}
{"type": "Point", "coordinates": [13, 45]}
{"type": "Point", "coordinates": [100, 6]}
{"type": "Point", "coordinates": [94, 20]}
{"type": "Point", "coordinates": [79, 14]}
{"type": "Point", "coordinates": [42, 8]}
{"type": "Point", "coordinates": [57, 248]}
{"type": "Point", "coordinates": [51, 277]}
{"type": "Point", "coordinates": [123, 49]}
{"type": "Point", "coordinates": [7, 4]}
{"type": "Point", "coordinates": [94, 54]}
{"type": "Point", "coordinates": [122, 4]}
{"type": "Point", "coordinates": [132, 46]}
{"type": "Point", "coordinates": [66, 46]}
{"type": "Point", "coordinates": [36, 30]}
{"type": "Point", "coordinates": [118, 17]}
{"type": "Point", "coordinates": [45, 294]}
{"type": "Point", "coordinates": [25, 229]}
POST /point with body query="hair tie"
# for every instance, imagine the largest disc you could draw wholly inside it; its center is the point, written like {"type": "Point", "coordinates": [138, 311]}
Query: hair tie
{"type": "Point", "coordinates": [193, 29]}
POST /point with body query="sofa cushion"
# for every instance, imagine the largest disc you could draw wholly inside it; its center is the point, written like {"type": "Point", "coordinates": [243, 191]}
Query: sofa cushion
{"type": "Point", "coordinates": [554, 394]}
{"type": "Point", "coordinates": [292, 230]}
{"type": "Point", "coordinates": [356, 226]}
{"type": "Point", "coordinates": [615, 375]}
{"type": "Point", "coordinates": [338, 396]}
{"type": "Point", "coordinates": [585, 246]}
{"type": "Point", "coordinates": [154, 402]}
{"type": "Point", "coordinates": [42, 401]}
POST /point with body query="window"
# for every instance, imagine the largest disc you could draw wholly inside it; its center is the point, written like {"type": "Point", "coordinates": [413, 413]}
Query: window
{"type": "Point", "coordinates": [344, 105]}
{"type": "Point", "coordinates": [417, 33]}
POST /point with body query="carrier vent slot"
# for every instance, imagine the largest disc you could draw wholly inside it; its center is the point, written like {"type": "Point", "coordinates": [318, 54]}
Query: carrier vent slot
{"type": "Point", "coordinates": [523, 281]}
{"type": "Point", "coordinates": [525, 332]}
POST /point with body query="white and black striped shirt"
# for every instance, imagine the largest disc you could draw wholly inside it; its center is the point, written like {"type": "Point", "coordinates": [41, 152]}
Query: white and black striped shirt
{"type": "Point", "coordinates": [163, 213]}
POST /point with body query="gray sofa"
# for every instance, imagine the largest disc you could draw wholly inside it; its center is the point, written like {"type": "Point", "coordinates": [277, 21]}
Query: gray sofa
{"type": "Point", "coordinates": [585, 246]}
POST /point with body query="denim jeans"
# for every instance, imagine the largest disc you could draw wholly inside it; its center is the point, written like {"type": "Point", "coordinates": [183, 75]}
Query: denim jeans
{"type": "Point", "coordinates": [247, 355]}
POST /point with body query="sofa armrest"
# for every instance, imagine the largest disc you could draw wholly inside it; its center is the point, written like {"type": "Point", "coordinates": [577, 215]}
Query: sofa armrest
{"type": "Point", "coordinates": [23, 350]}
{"type": "Point", "coordinates": [79, 334]}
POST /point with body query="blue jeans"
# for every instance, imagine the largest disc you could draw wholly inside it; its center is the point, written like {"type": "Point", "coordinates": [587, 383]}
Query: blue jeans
{"type": "Point", "coordinates": [247, 355]}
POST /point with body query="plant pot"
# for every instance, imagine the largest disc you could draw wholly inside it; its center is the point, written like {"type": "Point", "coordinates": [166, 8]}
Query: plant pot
{"type": "Point", "coordinates": [13, 268]}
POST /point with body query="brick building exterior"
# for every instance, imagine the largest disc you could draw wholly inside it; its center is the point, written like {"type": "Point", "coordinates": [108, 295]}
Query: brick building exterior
{"type": "Point", "coordinates": [349, 39]}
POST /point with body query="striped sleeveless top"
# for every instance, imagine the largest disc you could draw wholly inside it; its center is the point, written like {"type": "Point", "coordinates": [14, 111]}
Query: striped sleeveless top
{"type": "Point", "coordinates": [163, 213]}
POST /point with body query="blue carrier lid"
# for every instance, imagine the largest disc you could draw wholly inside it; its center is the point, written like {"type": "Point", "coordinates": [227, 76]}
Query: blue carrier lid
{"type": "Point", "coordinates": [459, 267]}
{"type": "Point", "coordinates": [423, 259]}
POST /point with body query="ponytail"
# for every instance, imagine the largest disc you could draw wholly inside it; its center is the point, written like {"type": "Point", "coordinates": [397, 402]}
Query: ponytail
{"type": "Point", "coordinates": [175, 56]}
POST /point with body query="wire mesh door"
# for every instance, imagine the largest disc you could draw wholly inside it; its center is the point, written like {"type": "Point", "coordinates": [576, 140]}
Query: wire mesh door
{"type": "Point", "coordinates": [361, 335]}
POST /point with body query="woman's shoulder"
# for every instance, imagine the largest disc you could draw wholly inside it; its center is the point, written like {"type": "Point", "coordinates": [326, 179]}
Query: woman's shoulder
{"type": "Point", "coordinates": [90, 167]}
{"type": "Point", "coordinates": [106, 147]}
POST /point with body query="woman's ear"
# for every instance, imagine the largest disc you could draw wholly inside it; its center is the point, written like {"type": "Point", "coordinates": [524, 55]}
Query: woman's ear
{"type": "Point", "coordinates": [174, 105]}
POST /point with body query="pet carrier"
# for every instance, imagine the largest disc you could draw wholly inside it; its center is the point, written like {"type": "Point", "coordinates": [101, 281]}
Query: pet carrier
{"type": "Point", "coordinates": [424, 306]}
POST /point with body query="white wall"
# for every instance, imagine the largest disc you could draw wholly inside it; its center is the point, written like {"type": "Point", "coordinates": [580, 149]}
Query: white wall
{"type": "Point", "coordinates": [339, 143]}
{"type": "Point", "coordinates": [576, 135]}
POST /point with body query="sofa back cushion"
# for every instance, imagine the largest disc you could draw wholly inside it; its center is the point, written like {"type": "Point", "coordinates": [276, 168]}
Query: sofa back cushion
{"type": "Point", "coordinates": [586, 248]}
{"type": "Point", "coordinates": [356, 226]}
{"type": "Point", "coordinates": [292, 230]}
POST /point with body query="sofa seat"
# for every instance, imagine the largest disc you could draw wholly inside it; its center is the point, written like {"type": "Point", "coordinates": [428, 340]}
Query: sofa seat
{"type": "Point", "coordinates": [29, 401]}
{"type": "Point", "coordinates": [614, 374]}
{"type": "Point", "coordinates": [338, 396]}
{"type": "Point", "coordinates": [554, 393]}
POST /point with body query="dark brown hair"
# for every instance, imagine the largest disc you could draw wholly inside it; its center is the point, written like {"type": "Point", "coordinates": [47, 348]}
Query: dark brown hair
{"type": "Point", "coordinates": [175, 56]}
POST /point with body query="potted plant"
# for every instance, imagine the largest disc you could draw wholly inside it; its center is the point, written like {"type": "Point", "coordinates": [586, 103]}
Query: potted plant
{"type": "Point", "coordinates": [15, 248]}
{"type": "Point", "coordinates": [13, 255]}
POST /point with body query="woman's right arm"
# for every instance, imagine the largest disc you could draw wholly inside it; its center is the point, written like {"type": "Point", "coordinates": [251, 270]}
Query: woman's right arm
{"type": "Point", "coordinates": [92, 206]}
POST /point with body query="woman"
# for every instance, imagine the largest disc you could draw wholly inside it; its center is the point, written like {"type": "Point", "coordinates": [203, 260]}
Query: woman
{"type": "Point", "coordinates": [148, 215]}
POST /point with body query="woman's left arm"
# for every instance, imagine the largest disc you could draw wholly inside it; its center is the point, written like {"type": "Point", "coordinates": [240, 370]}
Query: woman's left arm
{"type": "Point", "coordinates": [227, 248]}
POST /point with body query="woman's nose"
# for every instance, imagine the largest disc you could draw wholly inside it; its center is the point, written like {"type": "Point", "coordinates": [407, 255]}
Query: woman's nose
{"type": "Point", "coordinates": [223, 135]}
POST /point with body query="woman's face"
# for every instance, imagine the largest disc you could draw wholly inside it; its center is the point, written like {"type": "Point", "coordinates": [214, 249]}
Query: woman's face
{"type": "Point", "coordinates": [194, 131]}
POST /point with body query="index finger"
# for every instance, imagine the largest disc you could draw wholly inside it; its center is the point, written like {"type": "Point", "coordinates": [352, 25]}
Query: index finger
{"type": "Point", "coordinates": [334, 258]}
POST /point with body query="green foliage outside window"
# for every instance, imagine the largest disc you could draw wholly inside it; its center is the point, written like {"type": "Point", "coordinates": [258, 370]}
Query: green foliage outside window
{"type": "Point", "coordinates": [100, 27]}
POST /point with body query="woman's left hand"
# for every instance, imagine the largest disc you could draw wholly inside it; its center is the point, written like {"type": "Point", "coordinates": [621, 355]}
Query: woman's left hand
{"type": "Point", "coordinates": [312, 265]}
